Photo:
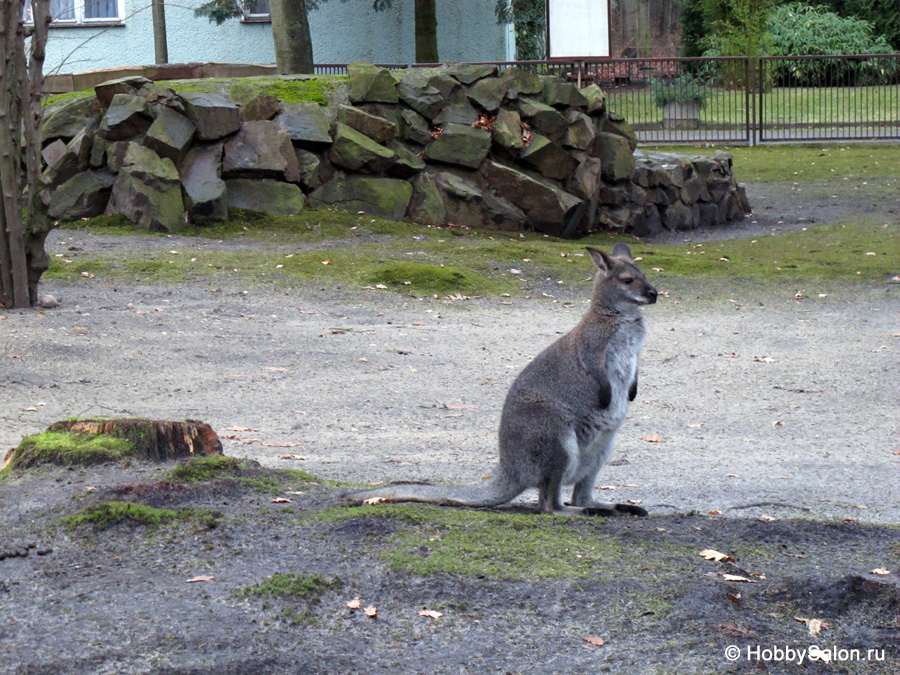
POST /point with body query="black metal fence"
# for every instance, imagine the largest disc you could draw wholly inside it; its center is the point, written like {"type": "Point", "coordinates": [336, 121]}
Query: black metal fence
{"type": "Point", "coordinates": [738, 99]}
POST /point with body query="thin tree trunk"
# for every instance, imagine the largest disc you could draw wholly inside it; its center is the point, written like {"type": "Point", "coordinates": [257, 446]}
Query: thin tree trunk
{"type": "Point", "coordinates": [290, 32]}
{"type": "Point", "coordinates": [426, 32]}
{"type": "Point", "coordinates": [13, 268]}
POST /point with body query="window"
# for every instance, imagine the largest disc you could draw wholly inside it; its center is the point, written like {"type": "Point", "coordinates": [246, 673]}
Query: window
{"type": "Point", "coordinates": [81, 12]}
{"type": "Point", "coordinates": [255, 10]}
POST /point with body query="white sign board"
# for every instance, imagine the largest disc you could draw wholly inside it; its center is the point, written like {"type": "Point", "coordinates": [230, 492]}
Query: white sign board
{"type": "Point", "coordinates": [578, 28]}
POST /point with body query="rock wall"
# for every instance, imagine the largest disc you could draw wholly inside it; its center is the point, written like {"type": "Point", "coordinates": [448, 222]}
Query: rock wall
{"type": "Point", "coordinates": [461, 145]}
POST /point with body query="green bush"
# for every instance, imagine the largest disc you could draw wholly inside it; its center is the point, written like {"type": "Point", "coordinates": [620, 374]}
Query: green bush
{"type": "Point", "coordinates": [799, 29]}
{"type": "Point", "coordinates": [685, 88]}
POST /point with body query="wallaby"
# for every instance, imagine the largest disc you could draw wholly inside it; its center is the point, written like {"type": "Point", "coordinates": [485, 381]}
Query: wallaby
{"type": "Point", "coordinates": [562, 412]}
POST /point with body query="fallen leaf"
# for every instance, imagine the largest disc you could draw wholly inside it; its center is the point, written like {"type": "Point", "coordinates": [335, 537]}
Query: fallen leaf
{"type": "Point", "coordinates": [241, 429]}
{"type": "Point", "coordinates": [282, 500]}
{"type": "Point", "coordinates": [280, 445]}
{"type": "Point", "coordinates": [597, 642]}
{"type": "Point", "coordinates": [734, 597]}
{"type": "Point", "coordinates": [711, 554]}
{"type": "Point", "coordinates": [763, 359]}
{"type": "Point", "coordinates": [815, 625]}
{"type": "Point", "coordinates": [735, 577]}
{"type": "Point", "coordinates": [653, 438]}
{"type": "Point", "coordinates": [371, 611]}
{"type": "Point", "coordinates": [463, 406]}
{"type": "Point", "coordinates": [880, 570]}
{"type": "Point", "coordinates": [431, 614]}
{"type": "Point", "coordinates": [202, 577]}
{"type": "Point", "coordinates": [374, 500]}
{"type": "Point", "coordinates": [355, 603]}
{"type": "Point", "coordinates": [770, 519]}
{"type": "Point", "coordinates": [606, 487]}
{"type": "Point", "coordinates": [297, 457]}
{"type": "Point", "coordinates": [715, 513]}
{"type": "Point", "coordinates": [858, 506]}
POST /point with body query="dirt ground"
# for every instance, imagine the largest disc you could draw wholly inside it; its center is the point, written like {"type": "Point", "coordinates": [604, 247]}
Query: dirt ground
{"type": "Point", "coordinates": [780, 415]}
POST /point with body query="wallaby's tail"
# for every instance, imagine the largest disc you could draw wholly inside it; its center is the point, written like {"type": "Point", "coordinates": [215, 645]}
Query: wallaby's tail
{"type": "Point", "coordinates": [492, 492]}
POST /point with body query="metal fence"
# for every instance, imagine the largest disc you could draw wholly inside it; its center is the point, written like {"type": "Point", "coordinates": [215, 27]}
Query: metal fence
{"type": "Point", "coordinates": [737, 99]}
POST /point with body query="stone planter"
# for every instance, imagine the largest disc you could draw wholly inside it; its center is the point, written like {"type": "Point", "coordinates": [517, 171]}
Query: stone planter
{"type": "Point", "coordinates": [678, 115]}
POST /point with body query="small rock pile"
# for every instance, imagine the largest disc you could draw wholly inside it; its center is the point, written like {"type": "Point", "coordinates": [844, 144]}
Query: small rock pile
{"type": "Point", "coordinates": [463, 144]}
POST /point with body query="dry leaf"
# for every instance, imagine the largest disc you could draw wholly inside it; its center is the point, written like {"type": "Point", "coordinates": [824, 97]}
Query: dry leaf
{"type": "Point", "coordinates": [355, 603]}
{"type": "Point", "coordinates": [734, 597]}
{"type": "Point", "coordinates": [770, 519]}
{"type": "Point", "coordinates": [374, 500]}
{"type": "Point", "coordinates": [715, 513]}
{"type": "Point", "coordinates": [202, 577]}
{"type": "Point", "coordinates": [880, 570]}
{"type": "Point", "coordinates": [597, 642]}
{"type": "Point", "coordinates": [431, 614]}
{"type": "Point", "coordinates": [815, 625]}
{"type": "Point", "coordinates": [371, 611]}
{"type": "Point", "coordinates": [463, 406]}
{"type": "Point", "coordinates": [735, 577]}
{"type": "Point", "coordinates": [282, 500]}
{"type": "Point", "coordinates": [763, 359]}
{"type": "Point", "coordinates": [711, 554]}
{"type": "Point", "coordinates": [653, 438]}
{"type": "Point", "coordinates": [298, 457]}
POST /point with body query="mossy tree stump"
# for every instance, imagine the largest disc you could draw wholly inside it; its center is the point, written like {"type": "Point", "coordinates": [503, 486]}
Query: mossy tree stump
{"type": "Point", "coordinates": [82, 442]}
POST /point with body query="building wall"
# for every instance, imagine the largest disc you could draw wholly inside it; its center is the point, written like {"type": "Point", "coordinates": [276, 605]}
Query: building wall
{"type": "Point", "coordinates": [342, 31]}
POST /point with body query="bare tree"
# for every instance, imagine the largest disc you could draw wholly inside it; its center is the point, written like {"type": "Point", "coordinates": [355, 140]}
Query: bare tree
{"type": "Point", "coordinates": [23, 216]}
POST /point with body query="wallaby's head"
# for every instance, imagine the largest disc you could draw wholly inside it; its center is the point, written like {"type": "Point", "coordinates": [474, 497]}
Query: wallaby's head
{"type": "Point", "coordinates": [620, 285]}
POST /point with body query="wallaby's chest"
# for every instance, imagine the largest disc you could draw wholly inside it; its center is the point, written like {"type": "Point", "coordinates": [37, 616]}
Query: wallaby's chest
{"type": "Point", "coordinates": [619, 363]}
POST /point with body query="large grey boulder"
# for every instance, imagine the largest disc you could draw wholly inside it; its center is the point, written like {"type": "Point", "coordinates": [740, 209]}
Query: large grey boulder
{"type": "Point", "coordinates": [371, 84]}
{"type": "Point", "coordinates": [85, 195]}
{"type": "Point", "coordinates": [543, 118]}
{"type": "Point", "coordinates": [467, 204]}
{"type": "Point", "coordinates": [596, 99]}
{"type": "Point", "coordinates": [170, 135]}
{"type": "Point", "coordinates": [127, 116]}
{"type": "Point", "coordinates": [615, 155]}
{"type": "Point", "coordinates": [507, 130]}
{"type": "Point", "coordinates": [65, 120]}
{"type": "Point", "coordinates": [548, 158]}
{"type": "Point", "coordinates": [147, 191]}
{"type": "Point", "coordinates": [580, 131]}
{"type": "Point", "coordinates": [261, 149]}
{"type": "Point", "coordinates": [377, 128]}
{"type": "Point", "coordinates": [426, 205]}
{"type": "Point", "coordinates": [460, 144]}
{"type": "Point", "coordinates": [407, 163]}
{"type": "Point", "coordinates": [616, 124]}
{"type": "Point", "coordinates": [201, 178]}
{"type": "Point", "coordinates": [562, 94]}
{"type": "Point", "coordinates": [467, 73]}
{"type": "Point", "coordinates": [414, 90]}
{"type": "Point", "coordinates": [545, 206]}
{"type": "Point", "coordinates": [521, 83]}
{"type": "Point", "coordinates": [411, 126]}
{"type": "Point", "coordinates": [131, 84]}
{"type": "Point", "coordinates": [267, 195]}
{"type": "Point", "coordinates": [214, 115]}
{"type": "Point", "coordinates": [261, 107]}
{"type": "Point", "coordinates": [386, 197]}
{"type": "Point", "coordinates": [356, 151]}
{"type": "Point", "coordinates": [305, 123]}
{"type": "Point", "coordinates": [309, 165]}
{"type": "Point", "coordinates": [488, 93]}
{"type": "Point", "coordinates": [65, 160]}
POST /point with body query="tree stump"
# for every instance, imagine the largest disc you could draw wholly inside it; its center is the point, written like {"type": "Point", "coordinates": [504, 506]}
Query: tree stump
{"type": "Point", "coordinates": [155, 440]}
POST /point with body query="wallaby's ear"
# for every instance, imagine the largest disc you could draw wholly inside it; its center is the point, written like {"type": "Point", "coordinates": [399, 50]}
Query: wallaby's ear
{"type": "Point", "coordinates": [601, 260]}
{"type": "Point", "coordinates": [622, 251]}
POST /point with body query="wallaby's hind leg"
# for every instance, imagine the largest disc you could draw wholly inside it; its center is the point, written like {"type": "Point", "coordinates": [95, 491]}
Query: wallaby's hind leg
{"type": "Point", "coordinates": [583, 492]}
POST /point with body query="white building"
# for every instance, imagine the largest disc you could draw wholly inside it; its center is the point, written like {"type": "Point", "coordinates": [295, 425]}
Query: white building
{"type": "Point", "coordinates": [93, 34]}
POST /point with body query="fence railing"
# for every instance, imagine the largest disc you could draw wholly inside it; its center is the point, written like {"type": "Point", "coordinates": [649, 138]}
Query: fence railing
{"type": "Point", "coordinates": [737, 99]}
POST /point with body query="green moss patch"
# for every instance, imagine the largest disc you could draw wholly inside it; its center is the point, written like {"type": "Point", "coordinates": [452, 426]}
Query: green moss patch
{"type": "Point", "coordinates": [288, 90]}
{"type": "Point", "coordinates": [108, 514]}
{"type": "Point", "coordinates": [67, 449]}
{"type": "Point", "coordinates": [428, 540]}
{"type": "Point", "coordinates": [309, 587]}
{"type": "Point", "coordinates": [200, 469]}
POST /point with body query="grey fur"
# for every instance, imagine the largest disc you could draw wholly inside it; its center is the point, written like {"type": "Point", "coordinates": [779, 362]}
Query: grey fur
{"type": "Point", "coordinates": [562, 412]}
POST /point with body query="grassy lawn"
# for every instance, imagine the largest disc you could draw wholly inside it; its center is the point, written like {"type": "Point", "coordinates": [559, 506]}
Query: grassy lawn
{"type": "Point", "coordinates": [781, 105]}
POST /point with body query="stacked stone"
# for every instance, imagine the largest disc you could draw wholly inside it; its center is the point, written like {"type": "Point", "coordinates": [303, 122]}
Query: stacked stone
{"type": "Point", "coordinates": [463, 144]}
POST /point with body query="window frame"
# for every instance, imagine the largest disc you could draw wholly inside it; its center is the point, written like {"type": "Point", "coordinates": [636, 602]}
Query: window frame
{"type": "Point", "coordinates": [248, 17]}
{"type": "Point", "coordinates": [80, 21]}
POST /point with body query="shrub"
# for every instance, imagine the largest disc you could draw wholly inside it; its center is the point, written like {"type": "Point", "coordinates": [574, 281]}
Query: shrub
{"type": "Point", "coordinates": [799, 29]}
{"type": "Point", "coordinates": [685, 88]}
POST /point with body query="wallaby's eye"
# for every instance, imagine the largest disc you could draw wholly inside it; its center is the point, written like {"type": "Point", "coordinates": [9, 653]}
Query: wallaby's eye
{"type": "Point", "coordinates": [627, 280]}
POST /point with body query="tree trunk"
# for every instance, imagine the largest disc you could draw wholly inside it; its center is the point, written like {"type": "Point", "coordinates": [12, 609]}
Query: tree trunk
{"type": "Point", "coordinates": [160, 42]}
{"type": "Point", "coordinates": [290, 32]}
{"type": "Point", "coordinates": [22, 255]}
{"type": "Point", "coordinates": [426, 32]}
